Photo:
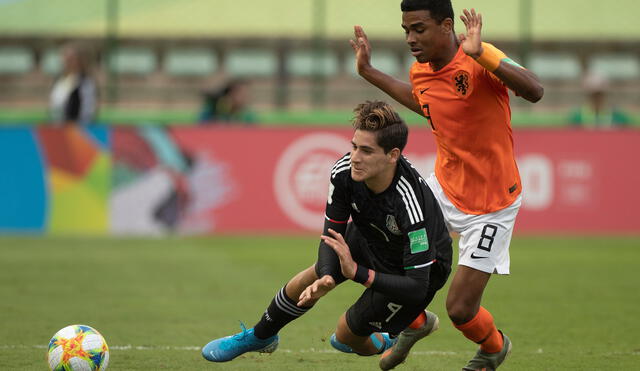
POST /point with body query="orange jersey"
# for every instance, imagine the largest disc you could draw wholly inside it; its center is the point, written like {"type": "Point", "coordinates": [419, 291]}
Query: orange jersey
{"type": "Point", "coordinates": [468, 109]}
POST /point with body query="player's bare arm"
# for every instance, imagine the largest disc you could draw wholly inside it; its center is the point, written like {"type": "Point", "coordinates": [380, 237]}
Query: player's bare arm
{"type": "Point", "coordinates": [396, 89]}
{"type": "Point", "coordinates": [316, 290]}
{"type": "Point", "coordinates": [522, 81]}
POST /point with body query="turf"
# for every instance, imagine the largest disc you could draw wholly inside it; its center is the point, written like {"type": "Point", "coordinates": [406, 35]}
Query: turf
{"type": "Point", "coordinates": [570, 303]}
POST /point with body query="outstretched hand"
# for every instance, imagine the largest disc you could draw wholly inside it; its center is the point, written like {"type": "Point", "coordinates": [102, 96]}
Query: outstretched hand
{"type": "Point", "coordinates": [339, 245]}
{"type": "Point", "coordinates": [316, 290]}
{"type": "Point", "coordinates": [362, 48]}
{"type": "Point", "coordinates": [472, 41]}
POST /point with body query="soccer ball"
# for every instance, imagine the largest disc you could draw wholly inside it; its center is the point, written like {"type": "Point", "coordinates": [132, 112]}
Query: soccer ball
{"type": "Point", "coordinates": [78, 348]}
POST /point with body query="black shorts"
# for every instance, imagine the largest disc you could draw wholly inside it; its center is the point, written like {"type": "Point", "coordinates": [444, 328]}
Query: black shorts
{"type": "Point", "coordinates": [376, 312]}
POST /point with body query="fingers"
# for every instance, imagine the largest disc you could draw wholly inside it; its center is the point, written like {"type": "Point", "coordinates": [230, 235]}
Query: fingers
{"type": "Point", "coordinates": [336, 242]}
{"type": "Point", "coordinates": [304, 300]}
{"type": "Point", "coordinates": [464, 18]}
{"type": "Point", "coordinates": [335, 245]}
{"type": "Point", "coordinates": [307, 295]}
{"type": "Point", "coordinates": [328, 240]}
{"type": "Point", "coordinates": [354, 45]}
{"type": "Point", "coordinates": [316, 290]}
{"type": "Point", "coordinates": [334, 233]}
{"type": "Point", "coordinates": [358, 31]}
{"type": "Point", "coordinates": [304, 297]}
{"type": "Point", "coordinates": [471, 18]}
{"type": "Point", "coordinates": [337, 235]}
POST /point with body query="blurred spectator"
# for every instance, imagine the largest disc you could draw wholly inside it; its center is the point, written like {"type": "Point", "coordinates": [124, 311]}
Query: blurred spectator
{"type": "Point", "coordinates": [74, 96]}
{"type": "Point", "coordinates": [597, 111]}
{"type": "Point", "coordinates": [230, 103]}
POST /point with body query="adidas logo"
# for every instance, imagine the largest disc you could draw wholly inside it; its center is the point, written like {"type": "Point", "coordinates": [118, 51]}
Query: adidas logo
{"type": "Point", "coordinates": [376, 324]}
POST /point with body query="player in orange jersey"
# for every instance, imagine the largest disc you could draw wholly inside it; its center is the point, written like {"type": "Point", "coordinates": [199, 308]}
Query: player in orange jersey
{"type": "Point", "coordinates": [459, 83]}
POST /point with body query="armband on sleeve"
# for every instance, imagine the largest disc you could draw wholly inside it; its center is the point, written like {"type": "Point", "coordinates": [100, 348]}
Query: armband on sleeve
{"type": "Point", "coordinates": [492, 56]}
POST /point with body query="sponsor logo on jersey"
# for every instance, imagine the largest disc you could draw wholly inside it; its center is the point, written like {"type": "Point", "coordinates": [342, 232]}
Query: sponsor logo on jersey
{"type": "Point", "coordinates": [418, 241]}
{"type": "Point", "coordinates": [392, 226]}
{"type": "Point", "coordinates": [462, 83]}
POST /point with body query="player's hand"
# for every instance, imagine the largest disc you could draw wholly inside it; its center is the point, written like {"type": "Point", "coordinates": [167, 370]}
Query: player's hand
{"type": "Point", "coordinates": [362, 48]}
{"type": "Point", "coordinates": [316, 290]}
{"type": "Point", "coordinates": [339, 245]}
{"type": "Point", "coordinates": [472, 41]}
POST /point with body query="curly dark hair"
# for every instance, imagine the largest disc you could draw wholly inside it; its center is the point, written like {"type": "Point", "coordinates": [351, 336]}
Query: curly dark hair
{"type": "Point", "coordinates": [438, 9]}
{"type": "Point", "coordinates": [379, 117]}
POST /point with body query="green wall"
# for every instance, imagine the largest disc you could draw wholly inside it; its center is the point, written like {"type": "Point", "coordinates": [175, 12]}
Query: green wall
{"type": "Point", "coordinates": [551, 19]}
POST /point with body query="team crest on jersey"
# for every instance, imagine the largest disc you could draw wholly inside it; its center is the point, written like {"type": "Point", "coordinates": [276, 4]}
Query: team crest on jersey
{"type": "Point", "coordinates": [392, 226]}
{"type": "Point", "coordinates": [462, 83]}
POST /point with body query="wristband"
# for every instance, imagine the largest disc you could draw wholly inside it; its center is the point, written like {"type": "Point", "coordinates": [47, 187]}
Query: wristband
{"type": "Point", "coordinates": [362, 275]}
{"type": "Point", "coordinates": [490, 58]}
{"type": "Point", "coordinates": [372, 276]}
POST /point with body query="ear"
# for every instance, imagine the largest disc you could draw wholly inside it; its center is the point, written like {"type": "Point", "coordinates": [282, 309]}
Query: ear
{"type": "Point", "coordinates": [447, 25]}
{"type": "Point", "coordinates": [394, 155]}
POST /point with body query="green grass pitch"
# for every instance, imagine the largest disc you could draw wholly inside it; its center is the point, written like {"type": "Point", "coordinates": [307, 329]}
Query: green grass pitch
{"type": "Point", "coordinates": [571, 303]}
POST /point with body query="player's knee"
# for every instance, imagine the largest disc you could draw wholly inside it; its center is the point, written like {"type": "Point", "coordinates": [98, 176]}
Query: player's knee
{"type": "Point", "coordinates": [459, 312]}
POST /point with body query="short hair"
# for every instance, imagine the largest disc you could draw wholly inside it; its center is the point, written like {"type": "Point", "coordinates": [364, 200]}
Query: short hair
{"type": "Point", "coordinates": [83, 52]}
{"type": "Point", "coordinates": [379, 117]}
{"type": "Point", "coordinates": [438, 9]}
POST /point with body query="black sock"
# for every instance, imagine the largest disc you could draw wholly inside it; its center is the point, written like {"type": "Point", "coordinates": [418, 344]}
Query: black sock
{"type": "Point", "coordinates": [281, 311]}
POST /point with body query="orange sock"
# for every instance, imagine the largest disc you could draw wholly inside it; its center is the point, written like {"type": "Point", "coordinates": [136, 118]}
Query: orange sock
{"type": "Point", "coordinates": [419, 321]}
{"type": "Point", "coordinates": [482, 330]}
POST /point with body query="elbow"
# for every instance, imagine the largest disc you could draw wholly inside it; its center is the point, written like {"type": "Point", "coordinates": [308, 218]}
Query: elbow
{"type": "Point", "coordinates": [535, 94]}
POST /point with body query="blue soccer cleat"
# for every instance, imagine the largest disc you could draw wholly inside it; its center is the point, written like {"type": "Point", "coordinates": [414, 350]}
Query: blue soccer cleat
{"type": "Point", "coordinates": [386, 343]}
{"type": "Point", "coordinates": [227, 348]}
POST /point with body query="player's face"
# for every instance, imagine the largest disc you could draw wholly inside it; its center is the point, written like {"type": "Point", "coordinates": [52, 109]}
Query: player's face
{"type": "Point", "coordinates": [426, 38]}
{"type": "Point", "coordinates": [368, 159]}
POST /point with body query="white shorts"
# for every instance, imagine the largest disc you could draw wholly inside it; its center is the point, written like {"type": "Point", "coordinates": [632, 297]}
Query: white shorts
{"type": "Point", "coordinates": [484, 239]}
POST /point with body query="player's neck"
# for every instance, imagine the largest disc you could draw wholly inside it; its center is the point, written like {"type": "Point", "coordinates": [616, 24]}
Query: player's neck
{"type": "Point", "coordinates": [446, 56]}
{"type": "Point", "coordinates": [382, 181]}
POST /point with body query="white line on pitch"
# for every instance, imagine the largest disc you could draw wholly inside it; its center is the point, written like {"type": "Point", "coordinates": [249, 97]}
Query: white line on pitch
{"type": "Point", "coordinates": [309, 350]}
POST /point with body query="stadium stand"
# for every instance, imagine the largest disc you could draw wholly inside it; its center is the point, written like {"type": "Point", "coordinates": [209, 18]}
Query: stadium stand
{"type": "Point", "coordinates": [190, 62]}
{"type": "Point", "coordinates": [164, 73]}
{"type": "Point", "coordinates": [15, 60]}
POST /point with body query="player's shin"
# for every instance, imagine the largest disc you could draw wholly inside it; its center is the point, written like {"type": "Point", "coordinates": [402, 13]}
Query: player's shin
{"type": "Point", "coordinates": [280, 312]}
{"type": "Point", "coordinates": [482, 330]}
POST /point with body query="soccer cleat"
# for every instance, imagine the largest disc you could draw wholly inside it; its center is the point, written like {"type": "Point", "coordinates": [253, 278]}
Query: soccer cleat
{"type": "Point", "coordinates": [227, 348]}
{"type": "Point", "coordinates": [344, 348]}
{"type": "Point", "coordinates": [386, 343]}
{"type": "Point", "coordinates": [407, 338]}
{"type": "Point", "coordinates": [489, 361]}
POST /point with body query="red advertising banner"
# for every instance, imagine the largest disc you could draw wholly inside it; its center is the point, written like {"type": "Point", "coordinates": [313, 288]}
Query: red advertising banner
{"type": "Point", "coordinates": [276, 180]}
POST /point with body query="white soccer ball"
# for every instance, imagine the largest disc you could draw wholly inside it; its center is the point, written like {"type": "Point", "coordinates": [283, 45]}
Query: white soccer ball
{"type": "Point", "coordinates": [78, 348]}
